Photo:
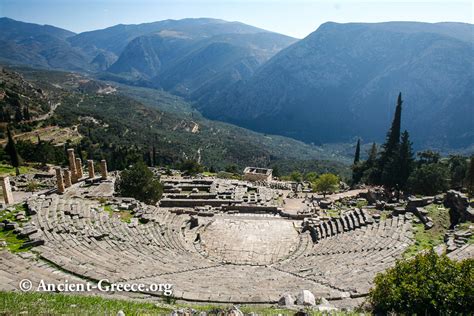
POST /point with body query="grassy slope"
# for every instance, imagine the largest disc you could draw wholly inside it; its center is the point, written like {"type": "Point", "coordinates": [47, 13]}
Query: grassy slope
{"type": "Point", "coordinates": [60, 304]}
{"type": "Point", "coordinates": [425, 239]}
{"type": "Point", "coordinates": [14, 244]}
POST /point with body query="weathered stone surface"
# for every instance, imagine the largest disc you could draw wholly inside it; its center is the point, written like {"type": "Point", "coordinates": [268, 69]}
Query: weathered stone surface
{"type": "Point", "coordinates": [429, 225]}
{"type": "Point", "coordinates": [325, 306]}
{"type": "Point", "coordinates": [325, 204]}
{"type": "Point", "coordinates": [235, 311]}
{"type": "Point", "coordinates": [7, 190]}
{"type": "Point", "coordinates": [459, 210]}
{"type": "Point", "coordinates": [286, 300]}
{"type": "Point", "coordinates": [33, 243]}
{"type": "Point", "coordinates": [306, 298]}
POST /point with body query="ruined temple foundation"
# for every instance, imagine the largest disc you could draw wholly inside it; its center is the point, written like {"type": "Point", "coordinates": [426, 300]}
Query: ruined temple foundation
{"type": "Point", "coordinates": [59, 180]}
{"type": "Point", "coordinates": [90, 168]}
{"type": "Point", "coordinates": [7, 190]}
{"type": "Point", "coordinates": [103, 169]}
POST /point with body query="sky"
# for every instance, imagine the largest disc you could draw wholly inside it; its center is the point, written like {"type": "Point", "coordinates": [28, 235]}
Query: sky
{"type": "Point", "coordinates": [296, 18]}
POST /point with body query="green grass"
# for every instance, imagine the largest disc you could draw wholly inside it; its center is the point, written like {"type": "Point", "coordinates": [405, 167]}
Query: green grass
{"type": "Point", "coordinates": [465, 226]}
{"type": "Point", "coordinates": [209, 174]}
{"type": "Point", "coordinates": [13, 303]}
{"type": "Point", "coordinates": [125, 216]}
{"type": "Point", "coordinates": [333, 213]}
{"type": "Point", "coordinates": [10, 216]}
{"type": "Point", "coordinates": [14, 243]}
{"type": "Point", "coordinates": [361, 204]}
{"type": "Point", "coordinates": [425, 239]}
{"type": "Point", "coordinates": [61, 304]}
{"type": "Point", "coordinates": [10, 170]}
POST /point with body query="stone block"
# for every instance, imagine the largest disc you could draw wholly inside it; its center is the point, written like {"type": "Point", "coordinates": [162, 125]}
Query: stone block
{"type": "Point", "coordinates": [306, 298]}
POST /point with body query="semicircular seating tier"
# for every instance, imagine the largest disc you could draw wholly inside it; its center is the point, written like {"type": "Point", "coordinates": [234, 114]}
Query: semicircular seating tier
{"type": "Point", "coordinates": [226, 258]}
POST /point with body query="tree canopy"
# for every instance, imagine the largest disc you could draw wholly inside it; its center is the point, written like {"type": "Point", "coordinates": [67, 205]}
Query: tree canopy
{"type": "Point", "coordinates": [428, 284]}
{"type": "Point", "coordinates": [140, 183]}
{"type": "Point", "coordinates": [326, 183]}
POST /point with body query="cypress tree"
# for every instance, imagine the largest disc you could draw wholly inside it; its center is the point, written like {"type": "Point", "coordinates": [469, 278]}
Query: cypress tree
{"type": "Point", "coordinates": [357, 167]}
{"type": "Point", "coordinates": [18, 115]}
{"type": "Point", "coordinates": [26, 113]}
{"type": "Point", "coordinates": [153, 156]}
{"type": "Point", "coordinates": [470, 177]}
{"type": "Point", "coordinates": [387, 163]}
{"type": "Point", "coordinates": [10, 148]}
{"type": "Point", "coordinates": [406, 160]}
{"type": "Point", "coordinates": [357, 153]}
{"type": "Point", "coordinates": [370, 166]}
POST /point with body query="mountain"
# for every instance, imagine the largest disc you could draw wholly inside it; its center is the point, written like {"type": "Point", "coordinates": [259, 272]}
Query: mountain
{"type": "Point", "coordinates": [341, 82]}
{"type": "Point", "coordinates": [109, 116]}
{"type": "Point", "coordinates": [39, 45]}
{"type": "Point", "coordinates": [191, 57]}
{"type": "Point", "coordinates": [114, 39]}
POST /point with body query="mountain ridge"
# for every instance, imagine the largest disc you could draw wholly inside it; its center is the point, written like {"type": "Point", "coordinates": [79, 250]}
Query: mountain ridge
{"type": "Point", "coordinates": [357, 68]}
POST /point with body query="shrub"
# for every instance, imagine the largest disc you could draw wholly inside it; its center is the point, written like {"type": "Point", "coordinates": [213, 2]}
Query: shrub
{"type": "Point", "coordinates": [191, 167]}
{"type": "Point", "coordinates": [140, 183]}
{"type": "Point", "coordinates": [326, 183]}
{"type": "Point", "coordinates": [429, 179]}
{"type": "Point", "coordinates": [426, 285]}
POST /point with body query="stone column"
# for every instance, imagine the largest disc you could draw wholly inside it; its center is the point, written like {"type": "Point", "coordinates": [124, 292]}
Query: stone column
{"type": "Point", "coordinates": [7, 190]}
{"type": "Point", "coordinates": [103, 169]}
{"type": "Point", "coordinates": [67, 178]}
{"type": "Point", "coordinates": [59, 180]}
{"type": "Point", "coordinates": [72, 164]}
{"type": "Point", "coordinates": [79, 173]}
{"type": "Point", "coordinates": [90, 168]}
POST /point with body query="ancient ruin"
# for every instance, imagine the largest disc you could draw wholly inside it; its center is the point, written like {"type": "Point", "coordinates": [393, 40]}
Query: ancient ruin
{"type": "Point", "coordinates": [7, 190]}
{"type": "Point", "coordinates": [257, 174]}
{"type": "Point", "coordinates": [220, 240]}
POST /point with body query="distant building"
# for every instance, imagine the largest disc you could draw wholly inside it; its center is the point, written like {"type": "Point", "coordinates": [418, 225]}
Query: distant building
{"type": "Point", "coordinates": [257, 174]}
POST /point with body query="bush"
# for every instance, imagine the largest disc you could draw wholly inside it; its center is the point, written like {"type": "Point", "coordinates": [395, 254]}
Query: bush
{"type": "Point", "coordinates": [429, 179]}
{"type": "Point", "coordinates": [426, 285]}
{"type": "Point", "coordinates": [140, 183]}
{"type": "Point", "coordinates": [191, 167]}
{"type": "Point", "coordinates": [326, 183]}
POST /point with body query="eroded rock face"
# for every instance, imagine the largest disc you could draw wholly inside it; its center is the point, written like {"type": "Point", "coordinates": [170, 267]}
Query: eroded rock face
{"type": "Point", "coordinates": [459, 209]}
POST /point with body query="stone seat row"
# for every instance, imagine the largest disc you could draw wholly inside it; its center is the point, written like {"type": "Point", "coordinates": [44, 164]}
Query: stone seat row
{"type": "Point", "coordinates": [348, 221]}
{"type": "Point", "coordinates": [108, 246]}
{"type": "Point", "coordinates": [350, 261]}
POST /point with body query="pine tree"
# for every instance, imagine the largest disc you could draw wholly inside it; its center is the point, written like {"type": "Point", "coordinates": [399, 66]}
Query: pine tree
{"type": "Point", "coordinates": [406, 160]}
{"type": "Point", "coordinates": [388, 161]}
{"type": "Point", "coordinates": [10, 148]}
{"type": "Point", "coordinates": [357, 153]}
